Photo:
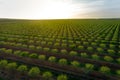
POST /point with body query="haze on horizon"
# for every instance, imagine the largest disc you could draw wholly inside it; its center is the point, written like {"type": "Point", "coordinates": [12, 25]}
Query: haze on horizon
{"type": "Point", "coordinates": [59, 9]}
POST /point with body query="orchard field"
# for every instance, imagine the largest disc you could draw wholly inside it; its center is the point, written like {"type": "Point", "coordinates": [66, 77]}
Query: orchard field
{"type": "Point", "coordinates": [60, 49]}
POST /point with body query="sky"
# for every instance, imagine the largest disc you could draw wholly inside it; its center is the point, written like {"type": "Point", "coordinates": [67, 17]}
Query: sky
{"type": "Point", "coordinates": [59, 9]}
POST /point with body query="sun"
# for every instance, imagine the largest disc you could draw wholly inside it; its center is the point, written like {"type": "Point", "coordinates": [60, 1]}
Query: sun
{"type": "Point", "coordinates": [55, 10]}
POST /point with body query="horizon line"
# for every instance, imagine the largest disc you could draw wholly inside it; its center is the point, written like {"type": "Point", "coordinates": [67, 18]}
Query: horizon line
{"type": "Point", "coordinates": [57, 18]}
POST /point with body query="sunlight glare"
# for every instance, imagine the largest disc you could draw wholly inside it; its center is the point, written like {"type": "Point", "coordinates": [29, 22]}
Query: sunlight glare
{"type": "Point", "coordinates": [55, 10]}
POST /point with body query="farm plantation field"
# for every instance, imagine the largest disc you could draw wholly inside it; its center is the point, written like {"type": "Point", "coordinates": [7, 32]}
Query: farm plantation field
{"type": "Point", "coordinates": [73, 49]}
